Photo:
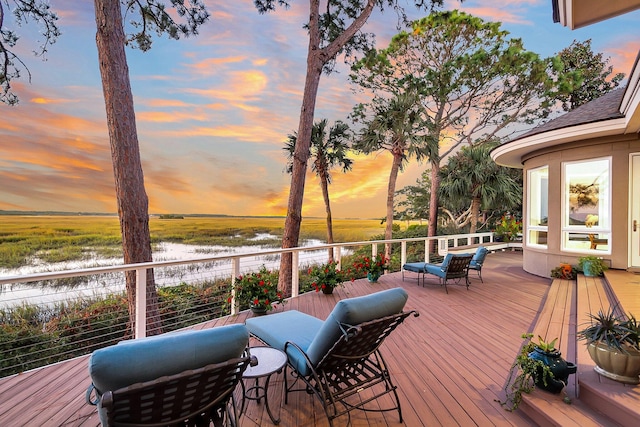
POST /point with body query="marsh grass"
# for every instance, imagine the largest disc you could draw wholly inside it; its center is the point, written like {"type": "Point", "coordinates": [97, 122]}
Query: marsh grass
{"type": "Point", "coordinates": [69, 238]}
{"type": "Point", "coordinates": [37, 335]}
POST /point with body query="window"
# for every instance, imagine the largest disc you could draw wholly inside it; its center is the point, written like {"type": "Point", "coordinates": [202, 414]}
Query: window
{"type": "Point", "coordinates": [586, 223]}
{"type": "Point", "coordinates": [538, 215]}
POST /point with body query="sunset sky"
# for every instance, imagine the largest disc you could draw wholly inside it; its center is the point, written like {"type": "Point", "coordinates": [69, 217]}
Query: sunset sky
{"type": "Point", "coordinates": [213, 110]}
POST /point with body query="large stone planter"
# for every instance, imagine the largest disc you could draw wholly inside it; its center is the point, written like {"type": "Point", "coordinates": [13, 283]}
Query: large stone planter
{"type": "Point", "coordinates": [615, 364]}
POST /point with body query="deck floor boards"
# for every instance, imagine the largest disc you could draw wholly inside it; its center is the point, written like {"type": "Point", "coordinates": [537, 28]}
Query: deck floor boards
{"type": "Point", "coordinates": [450, 363]}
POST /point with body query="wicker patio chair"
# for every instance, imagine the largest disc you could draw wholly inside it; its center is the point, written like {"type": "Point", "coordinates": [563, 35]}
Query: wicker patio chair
{"type": "Point", "coordinates": [339, 360]}
{"type": "Point", "coordinates": [181, 379]}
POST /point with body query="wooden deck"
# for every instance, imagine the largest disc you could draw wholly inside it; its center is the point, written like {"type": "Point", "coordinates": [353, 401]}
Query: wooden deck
{"type": "Point", "coordinates": [450, 363]}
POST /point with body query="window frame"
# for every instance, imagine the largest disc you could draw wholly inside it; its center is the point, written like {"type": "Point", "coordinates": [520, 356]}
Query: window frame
{"type": "Point", "coordinates": [538, 198]}
{"type": "Point", "coordinates": [603, 211]}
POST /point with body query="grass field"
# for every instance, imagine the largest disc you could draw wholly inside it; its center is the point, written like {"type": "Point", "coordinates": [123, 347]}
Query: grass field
{"type": "Point", "coordinates": [63, 238]}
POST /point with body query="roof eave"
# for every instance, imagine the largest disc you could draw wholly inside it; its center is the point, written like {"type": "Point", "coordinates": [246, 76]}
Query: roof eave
{"type": "Point", "coordinates": [512, 153]}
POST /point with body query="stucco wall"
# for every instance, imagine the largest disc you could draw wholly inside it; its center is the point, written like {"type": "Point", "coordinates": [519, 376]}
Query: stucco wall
{"type": "Point", "coordinates": [542, 261]}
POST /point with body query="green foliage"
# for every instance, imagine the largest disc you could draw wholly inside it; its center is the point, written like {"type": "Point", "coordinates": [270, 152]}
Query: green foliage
{"type": "Point", "coordinates": [597, 266]}
{"type": "Point", "coordinates": [613, 330]}
{"type": "Point", "coordinates": [525, 370]}
{"type": "Point", "coordinates": [259, 289]}
{"type": "Point", "coordinates": [508, 227]}
{"type": "Point", "coordinates": [153, 17]}
{"type": "Point", "coordinates": [24, 11]}
{"type": "Point", "coordinates": [326, 276]}
{"type": "Point", "coordinates": [592, 74]}
{"type": "Point", "coordinates": [32, 336]}
{"type": "Point", "coordinates": [367, 264]}
{"type": "Point", "coordinates": [327, 151]}
{"type": "Point", "coordinates": [564, 271]}
{"type": "Point", "coordinates": [336, 18]}
{"type": "Point", "coordinates": [472, 82]}
{"type": "Point", "coordinates": [472, 183]}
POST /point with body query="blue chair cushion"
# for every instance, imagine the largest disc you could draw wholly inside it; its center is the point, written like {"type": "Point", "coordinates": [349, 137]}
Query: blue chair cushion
{"type": "Point", "coordinates": [316, 337]}
{"type": "Point", "coordinates": [416, 267]}
{"type": "Point", "coordinates": [478, 258]}
{"type": "Point", "coordinates": [278, 328]}
{"type": "Point", "coordinates": [446, 261]}
{"type": "Point", "coordinates": [146, 359]}
{"type": "Point", "coordinates": [435, 269]}
{"type": "Point", "coordinates": [353, 311]}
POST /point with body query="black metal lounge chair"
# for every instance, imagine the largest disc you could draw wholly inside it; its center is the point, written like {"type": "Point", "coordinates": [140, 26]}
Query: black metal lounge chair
{"type": "Point", "coordinates": [196, 396]}
{"type": "Point", "coordinates": [454, 267]}
{"type": "Point", "coordinates": [339, 360]}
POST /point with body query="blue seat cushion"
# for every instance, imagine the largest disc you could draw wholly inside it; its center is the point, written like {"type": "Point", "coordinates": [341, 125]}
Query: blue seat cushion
{"type": "Point", "coordinates": [478, 258]}
{"type": "Point", "coordinates": [278, 328]}
{"type": "Point", "coordinates": [146, 359]}
{"type": "Point", "coordinates": [316, 337]}
{"type": "Point", "coordinates": [416, 267]}
{"type": "Point", "coordinates": [435, 269]}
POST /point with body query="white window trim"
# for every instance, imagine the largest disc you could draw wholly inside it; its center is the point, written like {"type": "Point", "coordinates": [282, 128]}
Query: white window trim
{"type": "Point", "coordinates": [527, 223]}
{"type": "Point", "coordinates": [565, 229]}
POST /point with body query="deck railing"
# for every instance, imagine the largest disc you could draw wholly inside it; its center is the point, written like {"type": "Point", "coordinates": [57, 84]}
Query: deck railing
{"type": "Point", "coordinates": [110, 279]}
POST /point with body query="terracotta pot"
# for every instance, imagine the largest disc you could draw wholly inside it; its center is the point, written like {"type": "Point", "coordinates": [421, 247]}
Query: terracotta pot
{"type": "Point", "coordinates": [615, 364]}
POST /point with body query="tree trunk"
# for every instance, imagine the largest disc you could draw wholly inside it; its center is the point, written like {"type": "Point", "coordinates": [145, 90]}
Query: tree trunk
{"type": "Point", "coordinates": [433, 202]}
{"type": "Point", "coordinates": [125, 153]}
{"type": "Point", "coordinates": [475, 213]}
{"type": "Point", "coordinates": [316, 58]}
{"type": "Point", "coordinates": [391, 189]}
{"type": "Point", "coordinates": [324, 184]}
{"type": "Point", "coordinates": [293, 221]}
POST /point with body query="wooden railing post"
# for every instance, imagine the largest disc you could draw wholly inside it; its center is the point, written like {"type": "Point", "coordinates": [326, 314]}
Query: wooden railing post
{"type": "Point", "coordinates": [338, 256]}
{"type": "Point", "coordinates": [403, 253]}
{"type": "Point", "coordinates": [426, 249]}
{"type": "Point", "coordinates": [141, 303]}
{"type": "Point", "coordinates": [235, 271]}
{"type": "Point", "coordinates": [295, 274]}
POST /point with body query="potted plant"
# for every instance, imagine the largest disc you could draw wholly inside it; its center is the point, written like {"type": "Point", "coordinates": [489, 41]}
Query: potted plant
{"type": "Point", "coordinates": [538, 364]}
{"type": "Point", "coordinates": [592, 266]}
{"type": "Point", "coordinates": [564, 271]}
{"type": "Point", "coordinates": [371, 266]}
{"type": "Point", "coordinates": [326, 277]}
{"type": "Point", "coordinates": [614, 345]}
{"type": "Point", "coordinates": [259, 291]}
{"type": "Point", "coordinates": [507, 229]}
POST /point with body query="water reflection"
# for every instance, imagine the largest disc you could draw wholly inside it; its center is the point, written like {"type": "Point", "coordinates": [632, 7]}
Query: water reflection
{"type": "Point", "coordinates": [50, 292]}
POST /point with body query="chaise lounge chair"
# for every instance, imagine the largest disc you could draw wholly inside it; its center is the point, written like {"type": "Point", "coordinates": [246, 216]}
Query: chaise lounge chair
{"type": "Point", "coordinates": [184, 378]}
{"type": "Point", "coordinates": [340, 357]}
{"type": "Point", "coordinates": [454, 267]}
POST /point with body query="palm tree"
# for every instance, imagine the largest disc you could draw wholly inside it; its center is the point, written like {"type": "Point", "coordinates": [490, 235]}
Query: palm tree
{"type": "Point", "coordinates": [398, 126]}
{"type": "Point", "coordinates": [472, 175]}
{"type": "Point", "coordinates": [327, 151]}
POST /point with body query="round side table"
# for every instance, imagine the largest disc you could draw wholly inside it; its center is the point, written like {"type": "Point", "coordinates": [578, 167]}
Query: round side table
{"type": "Point", "coordinates": [270, 361]}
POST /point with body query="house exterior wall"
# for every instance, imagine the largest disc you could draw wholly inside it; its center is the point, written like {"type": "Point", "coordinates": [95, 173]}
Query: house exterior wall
{"type": "Point", "coordinates": [541, 261]}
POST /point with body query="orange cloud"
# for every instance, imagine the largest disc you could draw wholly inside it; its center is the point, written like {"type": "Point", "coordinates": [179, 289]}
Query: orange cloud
{"type": "Point", "coordinates": [623, 55]}
{"type": "Point", "coordinates": [210, 65]}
